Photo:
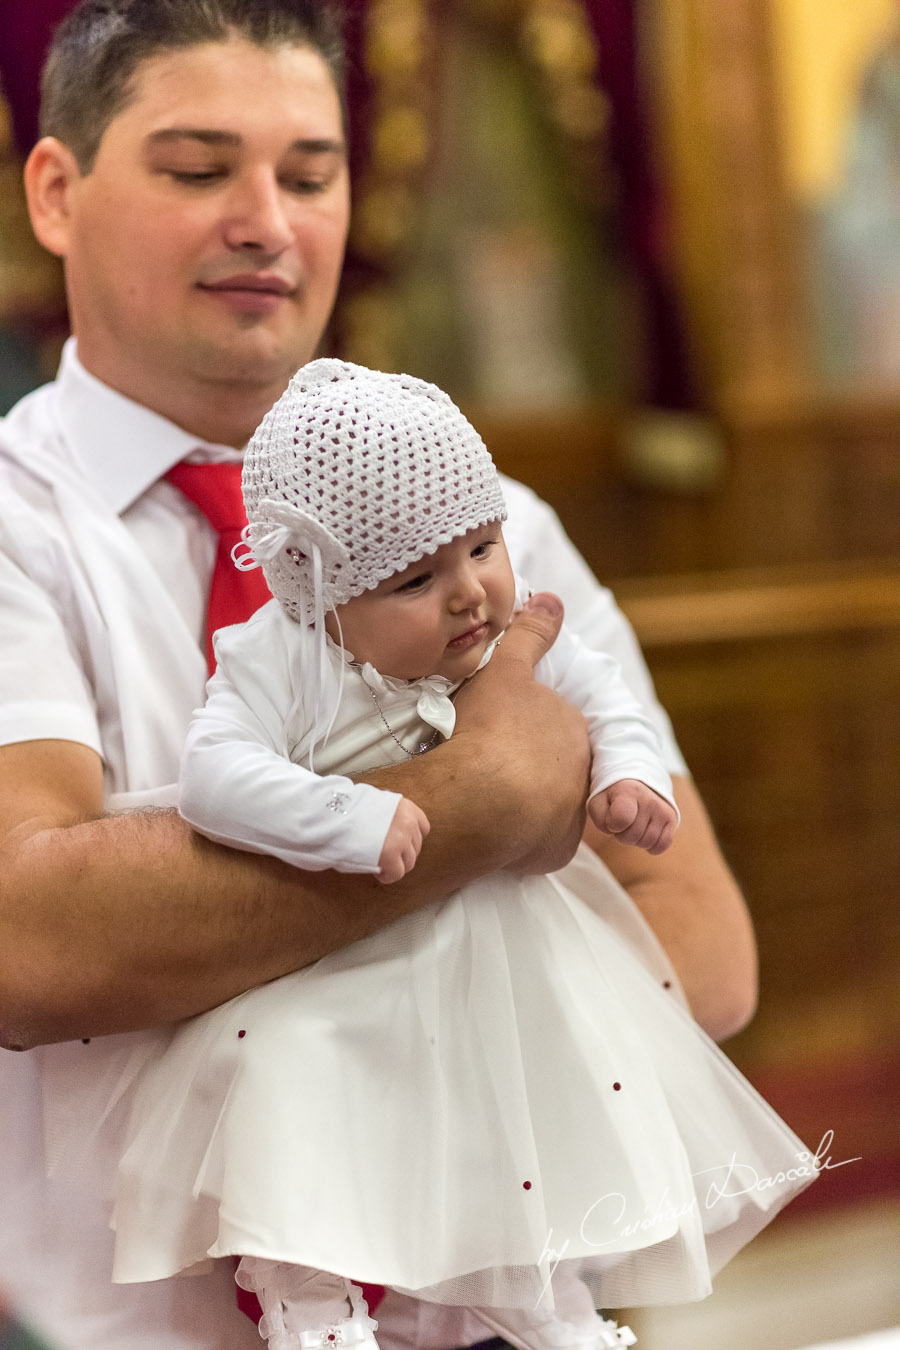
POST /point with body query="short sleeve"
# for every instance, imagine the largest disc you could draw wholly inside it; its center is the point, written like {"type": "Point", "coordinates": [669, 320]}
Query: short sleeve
{"type": "Point", "coordinates": [44, 691]}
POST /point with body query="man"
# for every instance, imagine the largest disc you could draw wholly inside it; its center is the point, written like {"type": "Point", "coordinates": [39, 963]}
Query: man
{"type": "Point", "coordinates": [193, 177]}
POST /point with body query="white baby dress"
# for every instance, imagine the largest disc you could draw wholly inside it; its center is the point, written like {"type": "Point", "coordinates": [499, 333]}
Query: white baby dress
{"type": "Point", "coordinates": [500, 1081]}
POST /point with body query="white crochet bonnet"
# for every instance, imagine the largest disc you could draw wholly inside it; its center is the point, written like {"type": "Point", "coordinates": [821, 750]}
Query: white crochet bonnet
{"type": "Point", "coordinates": [352, 476]}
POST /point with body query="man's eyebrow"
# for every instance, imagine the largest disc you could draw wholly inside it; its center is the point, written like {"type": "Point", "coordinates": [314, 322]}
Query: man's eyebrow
{"type": "Point", "coordinates": [312, 145]}
{"type": "Point", "coordinates": [202, 134]}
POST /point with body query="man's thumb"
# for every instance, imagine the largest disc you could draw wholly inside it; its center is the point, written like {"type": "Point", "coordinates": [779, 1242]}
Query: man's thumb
{"type": "Point", "coordinates": [535, 628]}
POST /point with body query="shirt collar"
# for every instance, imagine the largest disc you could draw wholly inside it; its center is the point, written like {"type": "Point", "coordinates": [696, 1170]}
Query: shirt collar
{"type": "Point", "coordinates": [122, 447]}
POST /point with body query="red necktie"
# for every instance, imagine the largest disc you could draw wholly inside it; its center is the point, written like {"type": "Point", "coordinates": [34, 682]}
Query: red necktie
{"type": "Point", "coordinates": [215, 489]}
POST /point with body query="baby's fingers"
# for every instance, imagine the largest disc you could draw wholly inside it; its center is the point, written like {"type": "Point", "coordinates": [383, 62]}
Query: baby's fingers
{"type": "Point", "coordinates": [624, 817]}
{"type": "Point", "coordinates": [634, 814]}
{"type": "Point", "coordinates": [658, 819]}
{"type": "Point", "coordinates": [403, 842]}
{"type": "Point", "coordinates": [663, 840]}
{"type": "Point", "coordinates": [621, 810]}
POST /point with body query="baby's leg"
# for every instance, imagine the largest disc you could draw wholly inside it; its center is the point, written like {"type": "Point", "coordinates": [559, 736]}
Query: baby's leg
{"type": "Point", "coordinates": [306, 1308]}
{"type": "Point", "coordinates": [573, 1325]}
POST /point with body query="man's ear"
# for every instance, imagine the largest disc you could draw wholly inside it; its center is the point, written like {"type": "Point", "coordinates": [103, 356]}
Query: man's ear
{"type": "Point", "coordinates": [52, 177]}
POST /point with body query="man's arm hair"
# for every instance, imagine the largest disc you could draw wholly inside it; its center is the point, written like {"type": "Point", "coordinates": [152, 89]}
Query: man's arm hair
{"type": "Point", "coordinates": [111, 923]}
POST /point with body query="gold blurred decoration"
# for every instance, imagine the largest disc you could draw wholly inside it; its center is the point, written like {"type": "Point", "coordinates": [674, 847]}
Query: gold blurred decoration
{"type": "Point", "coordinates": [735, 233]}
{"type": "Point", "coordinates": [817, 98]}
{"type": "Point", "coordinates": [382, 219]}
{"type": "Point", "coordinates": [557, 36]}
{"type": "Point", "coordinates": [397, 38]}
{"type": "Point", "coordinates": [398, 42]}
{"type": "Point", "coordinates": [400, 141]}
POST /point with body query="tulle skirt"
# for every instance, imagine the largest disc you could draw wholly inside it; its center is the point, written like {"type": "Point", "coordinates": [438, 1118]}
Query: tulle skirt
{"type": "Point", "coordinates": [451, 1107]}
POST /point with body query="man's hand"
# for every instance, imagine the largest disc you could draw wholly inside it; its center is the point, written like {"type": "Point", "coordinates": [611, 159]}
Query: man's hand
{"type": "Point", "coordinates": [634, 814]}
{"type": "Point", "coordinates": [403, 842]}
{"type": "Point", "coordinates": [526, 745]}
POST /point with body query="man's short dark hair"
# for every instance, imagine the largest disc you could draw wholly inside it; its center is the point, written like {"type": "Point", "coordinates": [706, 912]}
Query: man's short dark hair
{"type": "Point", "coordinates": [97, 49]}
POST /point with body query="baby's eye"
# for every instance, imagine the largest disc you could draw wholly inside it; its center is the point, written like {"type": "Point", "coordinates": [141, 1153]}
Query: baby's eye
{"type": "Point", "coordinates": [481, 550]}
{"type": "Point", "coordinates": [415, 583]}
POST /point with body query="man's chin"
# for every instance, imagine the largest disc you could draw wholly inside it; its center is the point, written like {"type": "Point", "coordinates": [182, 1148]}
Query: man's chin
{"type": "Point", "coordinates": [251, 360]}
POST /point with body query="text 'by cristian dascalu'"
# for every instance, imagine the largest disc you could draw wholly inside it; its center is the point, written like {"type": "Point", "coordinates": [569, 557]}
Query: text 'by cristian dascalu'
{"type": "Point", "coordinates": [606, 1223]}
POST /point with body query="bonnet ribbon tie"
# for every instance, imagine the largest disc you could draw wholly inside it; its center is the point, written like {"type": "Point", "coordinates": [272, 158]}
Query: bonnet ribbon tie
{"type": "Point", "coordinates": [260, 544]}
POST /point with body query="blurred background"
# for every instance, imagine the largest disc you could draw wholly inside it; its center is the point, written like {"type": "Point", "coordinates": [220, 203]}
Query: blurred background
{"type": "Point", "coordinates": [652, 247]}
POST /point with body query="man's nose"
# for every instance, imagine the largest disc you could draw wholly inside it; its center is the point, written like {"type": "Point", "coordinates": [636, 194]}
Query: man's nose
{"type": "Point", "coordinates": [257, 215]}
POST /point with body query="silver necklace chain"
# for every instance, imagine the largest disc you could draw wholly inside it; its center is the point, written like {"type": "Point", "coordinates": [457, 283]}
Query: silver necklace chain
{"type": "Point", "coordinates": [421, 749]}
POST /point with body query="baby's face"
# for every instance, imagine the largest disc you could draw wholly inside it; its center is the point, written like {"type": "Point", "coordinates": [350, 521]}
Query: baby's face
{"type": "Point", "coordinates": [439, 615]}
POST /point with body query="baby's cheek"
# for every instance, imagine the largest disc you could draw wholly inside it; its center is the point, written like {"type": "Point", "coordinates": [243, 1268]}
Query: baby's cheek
{"type": "Point", "coordinates": [507, 599]}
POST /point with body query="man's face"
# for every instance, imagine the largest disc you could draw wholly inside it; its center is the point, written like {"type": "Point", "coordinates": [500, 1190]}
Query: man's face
{"type": "Point", "coordinates": [204, 247]}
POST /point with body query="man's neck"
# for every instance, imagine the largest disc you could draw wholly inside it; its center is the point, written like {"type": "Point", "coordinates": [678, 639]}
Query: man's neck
{"type": "Point", "coordinates": [220, 415]}
{"type": "Point", "coordinates": [218, 412]}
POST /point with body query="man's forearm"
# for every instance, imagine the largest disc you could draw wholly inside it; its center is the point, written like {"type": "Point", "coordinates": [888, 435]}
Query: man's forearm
{"type": "Point", "coordinates": [131, 920]}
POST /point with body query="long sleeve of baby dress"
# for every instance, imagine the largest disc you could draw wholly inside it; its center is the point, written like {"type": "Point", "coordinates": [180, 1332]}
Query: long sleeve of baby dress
{"type": "Point", "coordinates": [240, 783]}
{"type": "Point", "coordinates": [243, 777]}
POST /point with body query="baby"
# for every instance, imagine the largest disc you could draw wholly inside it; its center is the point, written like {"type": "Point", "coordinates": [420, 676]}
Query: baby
{"type": "Point", "coordinates": [495, 1080]}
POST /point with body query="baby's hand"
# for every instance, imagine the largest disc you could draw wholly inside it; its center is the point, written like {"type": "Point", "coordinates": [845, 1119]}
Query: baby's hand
{"type": "Point", "coordinates": [634, 814]}
{"type": "Point", "coordinates": [403, 842]}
